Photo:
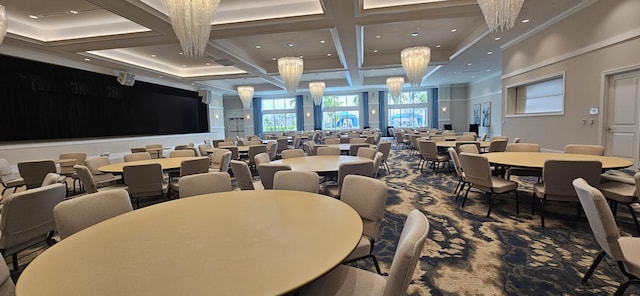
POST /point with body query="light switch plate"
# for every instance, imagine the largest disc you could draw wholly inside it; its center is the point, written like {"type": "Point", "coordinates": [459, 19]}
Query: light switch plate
{"type": "Point", "coordinates": [593, 110]}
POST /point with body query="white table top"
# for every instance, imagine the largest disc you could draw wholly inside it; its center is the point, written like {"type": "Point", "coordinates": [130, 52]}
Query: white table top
{"type": "Point", "coordinates": [537, 159]}
{"type": "Point", "coordinates": [319, 163]}
{"type": "Point", "coordinates": [166, 163]}
{"type": "Point", "coordinates": [262, 242]}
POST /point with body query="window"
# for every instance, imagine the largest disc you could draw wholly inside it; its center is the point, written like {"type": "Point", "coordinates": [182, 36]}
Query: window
{"type": "Point", "coordinates": [541, 97]}
{"type": "Point", "coordinates": [409, 110]}
{"type": "Point", "coordinates": [278, 115]}
{"type": "Point", "coordinates": [341, 112]}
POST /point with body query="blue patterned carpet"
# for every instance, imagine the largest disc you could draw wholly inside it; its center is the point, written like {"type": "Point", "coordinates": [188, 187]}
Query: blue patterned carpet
{"type": "Point", "coordinates": [467, 253]}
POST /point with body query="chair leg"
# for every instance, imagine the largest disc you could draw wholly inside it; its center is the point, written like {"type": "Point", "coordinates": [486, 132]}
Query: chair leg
{"type": "Point", "coordinates": [623, 287]}
{"type": "Point", "coordinates": [465, 196]}
{"type": "Point", "coordinates": [593, 266]}
{"type": "Point", "coordinates": [634, 216]}
{"type": "Point", "coordinates": [14, 258]}
{"type": "Point", "coordinates": [517, 202]}
{"type": "Point", "coordinates": [542, 212]}
{"type": "Point", "coordinates": [493, 198]}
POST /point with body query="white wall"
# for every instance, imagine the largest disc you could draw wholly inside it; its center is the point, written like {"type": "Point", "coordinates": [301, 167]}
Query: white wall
{"type": "Point", "coordinates": [487, 90]}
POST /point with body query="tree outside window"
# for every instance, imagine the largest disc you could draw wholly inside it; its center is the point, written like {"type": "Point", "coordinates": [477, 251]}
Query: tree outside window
{"type": "Point", "coordinates": [279, 115]}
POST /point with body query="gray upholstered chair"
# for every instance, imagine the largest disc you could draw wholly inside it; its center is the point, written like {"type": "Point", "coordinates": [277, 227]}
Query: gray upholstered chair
{"type": "Point", "coordinates": [242, 174]}
{"type": "Point", "coordinates": [465, 138]}
{"type": "Point", "coordinates": [204, 183]}
{"type": "Point", "coordinates": [478, 173]}
{"type": "Point", "coordinates": [499, 138]}
{"type": "Point", "coordinates": [330, 141]}
{"type": "Point", "coordinates": [296, 180]}
{"type": "Point", "coordinates": [357, 140]}
{"type": "Point", "coordinates": [462, 182]}
{"type": "Point", "coordinates": [468, 147]}
{"type": "Point", "coordinates": [309, 148]}
{"type": "Point", "coordinates": [66, 167]}
{"type": "Point", "coordinates": [27, 219]}
{"type": "Point", "coordinates": [235, 154]}
{"type": "Point", "coordinates": [324, 150]}
{"type": "Point", "coordinates": [261, 158]}
{"type": "Point", "coordinates": [220, 163]}
{"type": "Point", "coordinates": [366, 152]}
{"type": "Point", "coordinates": [33, 172]}
{"type": "Point", "coordinates": [584, 149]}
{"type": "Point", "coordinates": [7, 286]}
{"type": "Point", "coordinates": [377, 160]}
{"type": "Point", "coordinates": [429, 152]}
{"type": "Point", "coordinates": [182, 153]}
{"type": "Point", "coordinates": [144, 180]}
{"type": "Point", "coordinates": [370, 207]}
{"type": "Point", "coordinates": [353, 148]}
{"type": "Point", "coordinates": [623, 250]}
{"type": "Point", "coordinates": [101, 178]}
{"type": "Point", "coordinates": [8, 177]}
{"type": "Point", "coordinates": [272, 149]}
{"type": "Point", "coordinates": [362, 168]}
{"type": "Point", "coordinates": [385, 148]}
{"type": "Point", "coordinates": [202, 149]}
{"type": "Point", "coordinates": [291, 153]}
{"type": "Point", "coordinates": [138, 149]}
{"type": "Point", "coordinates": [53, 178]}
{"type": "Point", "coordinates": [253, 151]}
{"type": "Point", "coordinates": [557, 176]}
{"type": "Point", "coordinates": [191, 167]}
{"type": "Point", "coordinates": [283, 144]}
{"type": "Point", "coordinates": [521, 171]}
{"type": "Point", "coordinates": [267, 172]}
{"type": "Point", "coordinates": [137, 156]}
{"type": "Point", "coordinates": [153, 147]}
{"type": "Point", "coordinates": [78, 213]}
{"type": "Point", "coordinates": [89, 184]}
{"type": "Point", "coordinates": [497, 145]}
{"type": "Point", "coordinates": [346, 280]}
{"type": "Point", "coordinates": [622, 193]}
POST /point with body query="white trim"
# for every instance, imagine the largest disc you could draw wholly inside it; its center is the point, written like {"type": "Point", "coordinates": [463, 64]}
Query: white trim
{"type": "Point", "coordinates": [482, 96]}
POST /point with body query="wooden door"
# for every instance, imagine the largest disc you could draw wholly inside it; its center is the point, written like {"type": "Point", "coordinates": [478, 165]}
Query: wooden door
{"type": "Point", "coordinates": [623, 124]}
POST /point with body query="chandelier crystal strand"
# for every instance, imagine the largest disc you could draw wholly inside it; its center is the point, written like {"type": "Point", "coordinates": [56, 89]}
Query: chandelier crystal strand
{"type": "Point", "coordinates": [317, 91]}
{"type": "Point", "coordinates": [3, 23]}
{"type": "Point", "coordinates": [246, 95]}
{"type": "Point", "coordinates": [290, 69]}
{"type": "Point", "coordinates": [191, 21]}
{"type": "Point", "coordinates": [415, 61]}
{"type": "Point", "coordinates": [395, 86]}
{"type": "Point", "coordinates": [500, 14]}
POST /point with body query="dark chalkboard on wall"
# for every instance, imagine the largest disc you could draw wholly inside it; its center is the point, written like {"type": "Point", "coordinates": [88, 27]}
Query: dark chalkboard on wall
{"type": "Point", "coordinates": [40, 101]}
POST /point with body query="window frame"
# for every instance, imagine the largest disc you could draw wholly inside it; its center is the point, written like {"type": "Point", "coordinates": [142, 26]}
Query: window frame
{"type": "Point", "coordinates": [349, 109]}
{"type": "Point", "coordinates": [275, 112]}
{"type": "Point", "coordinates": [413, 105]}
{"type": "Point", "coordinates": [512, 100]}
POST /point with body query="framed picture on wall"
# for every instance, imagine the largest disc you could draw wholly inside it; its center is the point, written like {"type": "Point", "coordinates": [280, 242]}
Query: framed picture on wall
{"type": "Point", "coordinates": [486, 114]}
{"type": "Point", "coordinates": [476, 114]}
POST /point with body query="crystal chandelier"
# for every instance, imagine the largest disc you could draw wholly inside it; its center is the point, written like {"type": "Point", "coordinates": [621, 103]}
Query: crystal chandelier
{"type": "Point", "coordinates": [415, 61]}
{"type": "Point", "coordinates": [500, 13]}
{"type": "Point", "coordinates": [3, 23]}
{"type": "Point", "coordinates": [246, 95]}
{"type": "Point", "coordinates": [191, 21]}
{"type": "Point", "coordinates": [317, 91]}
{"type": "Point", "coordinates": [290, 69]}
{"type": "Point", "coordinates": [395, 86]}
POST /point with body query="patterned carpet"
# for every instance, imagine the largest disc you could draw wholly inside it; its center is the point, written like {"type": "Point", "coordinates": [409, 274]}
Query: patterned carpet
{"type": "Point", "coordinates": [467, 253]}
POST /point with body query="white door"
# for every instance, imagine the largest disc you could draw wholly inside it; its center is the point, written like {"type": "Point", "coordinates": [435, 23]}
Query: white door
{"type": "Point", "coordinates": [623, 125]}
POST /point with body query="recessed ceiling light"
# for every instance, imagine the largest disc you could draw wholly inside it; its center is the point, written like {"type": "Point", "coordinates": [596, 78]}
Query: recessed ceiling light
{"type": "Point", "coordinates": [524, 21]}
{"type": "Point", "coordinates": [73, 11]}
{"type": "Point", "coordinates": [184, 65]}
{"type": "Point", "coordinates": [454, 30]}
{"type": "Point", "coordinates": [87, 59]}
{"type": "Point", "coordinates": [497, 38]}
{"type": "Point", "coordinates": [377, 36]}
{"type": "Point", "coordinates": [181, 53]}
{"type": "Point", "coordinates": [33, 16]}
{"type": "Point", "coordinates": [488, 70]}
{"type": "Point", "coordinates": [375, 51]}
{"type": "Point", "coordinates": [160, 76]}
{"type": "Point", "coordinates": [469, 64]}
{"type": "Point", "coordinates": [302, 57]}
{"type": "Point", "coordinates": [258, 46]}
{"type": "Point", "coordinates": [329, 54]}
{"type": "Point", "coordinates": [491, 52]}
{"type": "Point", "coordinates": [153, 55]}
{"type": "Point", "coordinates": [473, 77]}
{"type": "Point", "coordinates": [208, 64]}
{"type": "Point", "coordinates": [414, 34]}
{"type": "Point", "coordinates": [322, 41]}
{"type": "Point", "coordinates": [438, 46]}
{"type": "Point", "coordinates": [273, 59]}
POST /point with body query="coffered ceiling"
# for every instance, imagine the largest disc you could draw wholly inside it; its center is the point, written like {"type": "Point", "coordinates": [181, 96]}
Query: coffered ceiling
{"type": "Point", "coordinates": [349, 44]}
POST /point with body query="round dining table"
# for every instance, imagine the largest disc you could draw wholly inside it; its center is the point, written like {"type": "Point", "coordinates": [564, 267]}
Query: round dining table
{"type": "Point", "coordinates": [258, 242]}
{"type": "Point", "coordinates": [319, 163]}
{"type": "Point", "coordinates": [169, 163]}
{"type": "Point", "coordinates": [537, 159]}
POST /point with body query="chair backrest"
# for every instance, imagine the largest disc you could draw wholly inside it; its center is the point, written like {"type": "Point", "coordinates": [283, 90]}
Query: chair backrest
{"type": "Point", "coordinates": [332, 141]}
{"type": "Point", "coordinates": [497, 145]}
{"type": "Point", "coordinates": [204, 183]}
{"type": "Point", "coordinates": [183, 147]}
{"type": "Point", "coordinates": [78, 213]}
{"type": "Point", "coordinates": [465, 138]}
{"type": "Point", "coordinates": [254, 142]}
{"type": "Point", "coordinates": [353, 148]}
{"type": "Point", "coordinates": [94, 163]}
{"type": "Point", "coordinates": [369, 206]}
{"type": "Point", "coordinates": [584, 149]}
{"type": "Point", "coordinates": [324, 150]}
{"type": "Point", "coordinates": [357, 140]}
{"type": "Point", "coordinates": [296, 180]}
{"type": "Point", "coordinates": [453, 155]}
{"type": "Point", "coordinates": [385, 148]}
{"type": "Point", "coordinates": [366, 152]}
{"type": "Point", "coordinates": [194, 166]}
{"type": "Point", "coordinates": [7, 286]}
{"type": "Point", "coordinates": [476, 170]}
{"type": "Point", "coordinates": [523, 147]}
{"type": "Point", "coordinates": [27, 217]}
{"type": "Point", "coordinates": [138, 149]}
{"type": "Point", "coordinates": [234, 151]}
{"type": "Point", "coordinates": [53, 178]}
{"type": "Point", "coordinates": [500, 138]}
{"type": "Point", "coordinates": [377, 160]}
{"type": "Point", "coordinates": [361, 168]}
{"type": "Point", "coordinates": [255, 150]}
{"type": "Point", "coordinates": [33, 172]}
{"type": "Point", "coordinates": [272, 149]}
{"type": "Point", "coordinates": [267, 172]}
{"type": "Point", "coordinates": [242, 173]}
{"type": "Point", "coordinates": [182, 153]}
{"type": "Point", "coordinates": [470, 147]}
{"type": "Point", "coordinates": [428, 149]}
{"type": "Point", "coordinates": [414, 234]}
{"type": "Point", "coordinates": [202, 148]}
{"type": "Point", "coordinates": [283, 143]}
{"type": "Point", "coordinates": [601, 219]}
{"type": "Point", "coordinates": [86, 178]}
{"type": "Point", "coordinates": [67, 167]}
{"type": "Point", "coordinates": [225, 161]}
{"type": "Point", "coordinates": [291, 153]}
{"type": "Point", "coordinates": [144, 179]}
{"type": "Point", "coordinates": [308, 148]}
{"type": "Point", "coordinates": [261, 158]}
{"type": "Point", "coordinates": [137, 156]}
{"type": "Point", "coordinates": [558, 175]}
